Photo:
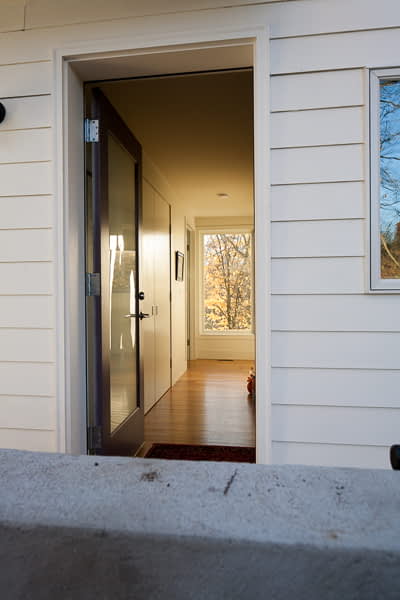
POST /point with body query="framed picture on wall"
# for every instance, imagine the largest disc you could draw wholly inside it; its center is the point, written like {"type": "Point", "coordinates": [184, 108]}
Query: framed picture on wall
{"type": "Point", "coordinates": [179, 265]}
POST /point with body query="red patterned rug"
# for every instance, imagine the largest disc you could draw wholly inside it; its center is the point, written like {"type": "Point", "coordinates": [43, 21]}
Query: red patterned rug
{"type": "Point", "coordinates": [212, 453]}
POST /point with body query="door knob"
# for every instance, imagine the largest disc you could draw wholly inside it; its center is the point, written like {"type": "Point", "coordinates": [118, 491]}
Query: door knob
{"type": "Point", "coordinates": [141, 315]}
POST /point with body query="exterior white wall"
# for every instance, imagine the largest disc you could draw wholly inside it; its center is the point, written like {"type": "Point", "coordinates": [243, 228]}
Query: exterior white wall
{"type": "Point", "coordinates": [336, 366]}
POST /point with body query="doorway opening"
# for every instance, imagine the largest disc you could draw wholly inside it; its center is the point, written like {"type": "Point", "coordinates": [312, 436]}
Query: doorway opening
{"type": "Point", "coordinates": [187, 52]}
{"type": "Point", "coordinates": [179, 293]}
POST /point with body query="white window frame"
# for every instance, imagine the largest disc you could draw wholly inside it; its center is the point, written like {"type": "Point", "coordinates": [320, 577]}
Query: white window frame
{"type": "Point", "coordinates": [377, 284]}
{"type": "Point", "coordinates": [200, 254]}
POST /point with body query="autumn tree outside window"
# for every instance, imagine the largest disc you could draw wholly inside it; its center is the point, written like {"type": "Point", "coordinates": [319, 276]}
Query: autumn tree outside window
{"type": "Point", "coordinates": [385, 179]}
{"type": "Point", "coordinates": [227, 275]}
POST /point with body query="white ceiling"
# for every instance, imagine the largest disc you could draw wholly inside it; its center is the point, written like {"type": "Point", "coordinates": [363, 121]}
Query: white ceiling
{"type": "Point", "coordinates": [198, 130]}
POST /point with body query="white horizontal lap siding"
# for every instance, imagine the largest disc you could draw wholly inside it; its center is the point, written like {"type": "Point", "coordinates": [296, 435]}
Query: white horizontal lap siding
{"type": "Point", "coordinates": [336, 350]}
{"type": "Point", "coordinates": [336, 51]}
{"type": "Point", "coordinates": [35, 440]}
{"type": "Point", "coordinates": [336, 365]}
{"type": "Point", "coordinates": [336, 425]}
{"type": "Point", "coordinates": [26, 212]}
{"type": "Point", "coordinates": [27, 308]}
{"type": "Point", "coordinates": [293, 17]}
{"type": "Point", "coordinates": [318, 238]}
{"type": "Point", "coordinates": [25, 146]}
{"type": "Point", "coordinates": [331, 275]}
{"type": "Point", "coordinates": [12, 15]}
{"type": "Point", "coordinates": [29, 245]}
{"type": "Point", "coordinates": [360, 312]}
{"type": "Point", "coordinates": [27, 113]}
{"type": "Point", "coordinates": [336, 387]}
{"type": "Point", "coordinates": [318, 201]}
{"type": "Point", "coordinates": [26, 278]}
{"type": "Point", "coordinates": [27, 412]}
{"type": "Point", "coordinates": [317, 127]}
{"type": "Point", "coordinates": [331, 455]}
{"type": "Point", "coordinates": [27, 379]}
{"type": "Point", "coordinates": [27, 312]}
{"type": "Point", "coordinates": [309, 91]}
{"type": "Point", "coordinates": [25, 179]}
{"type": "Point", "coordinates": [27, 79]}
{"type": "Point", "coordinates": [317, 164]}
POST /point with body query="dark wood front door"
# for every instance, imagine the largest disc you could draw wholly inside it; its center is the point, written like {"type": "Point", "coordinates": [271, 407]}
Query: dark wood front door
{"type": "Point", "coordinates": [114, 316]}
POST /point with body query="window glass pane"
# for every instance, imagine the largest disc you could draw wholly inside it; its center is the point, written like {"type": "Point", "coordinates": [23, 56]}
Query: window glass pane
{"type": "Point", "coordinates": [390, 178]}
{"type": "Point", "coordinates": [227, 281]}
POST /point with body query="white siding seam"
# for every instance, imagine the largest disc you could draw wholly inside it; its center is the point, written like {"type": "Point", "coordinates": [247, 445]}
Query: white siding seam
{"type": "Point", "coordinates": [28, 262]}
{"type": "Point", "coordinates": [315, 146]}
{"type": "Point", "coordinates": [25, 294]}
{"type": "Point", "coordinates": [26, 428]}
{"type": "Point", "coordinates": [296, 110]}
{"type": "Point", "coordinates": [48, 228]}
{"type": "Point", "coordinates": [26, 195]}
{"type": "Point", "coordinates": [27, 162]}
{"type": "Point", "coordinates": [6, 327]}
{"type": "Point", "coordinates": [382, 331]}
{"type": "Point", "coordinates": [359, 294]}
{"type": "Point", "coordinates": [322, 70]}
{"type": "Point", "coordinates": [319, 182]}
{"type": "Point", "coordinates": [24, 95]}
{"type": "Point", "coordinates": [25, 62]}
{"type": "Point", "coordinates": [5, 131]}
{"type": "Point", "coordinates": [276, 441]}
{"type": "Point", "coordinates": [365, 369]}
{"type": "Point", "coordinates": [357, 406]}
{"type": "Point", "coordinates": [26, 396]}
{"type": "Point", "coordinates": [298, 257]}
{"type": "Point", "coordinates": [42, 228]}
{"type": "Point", "coordinates": [311, 220]}
{"type": "Point", "coordinates": [27, 362]}
{"type": "Point", "coordinates": [330, 70]}
{"type": "Point", "coordinates": [335, 145]}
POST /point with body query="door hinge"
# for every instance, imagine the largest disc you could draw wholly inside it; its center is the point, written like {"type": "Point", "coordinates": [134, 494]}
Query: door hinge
{"type": "Point", "coordinates": [92, 284]}
{"type": "Point", "coordinates": [94, 437]}
{"type": "Point", "coordinates": [91, 130]}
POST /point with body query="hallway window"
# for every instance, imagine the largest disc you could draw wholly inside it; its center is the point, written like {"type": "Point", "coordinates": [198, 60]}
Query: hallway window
{"type": "Point", "coordinates": [227, 282]}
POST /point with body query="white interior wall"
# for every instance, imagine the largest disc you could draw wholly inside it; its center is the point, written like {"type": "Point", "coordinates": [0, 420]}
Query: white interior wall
{"type": "Point", "coordinates": [318, 51]}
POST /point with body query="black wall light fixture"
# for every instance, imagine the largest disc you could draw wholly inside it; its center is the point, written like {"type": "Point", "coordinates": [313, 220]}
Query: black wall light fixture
{"type": "Point", "coordinates": [2, 112]}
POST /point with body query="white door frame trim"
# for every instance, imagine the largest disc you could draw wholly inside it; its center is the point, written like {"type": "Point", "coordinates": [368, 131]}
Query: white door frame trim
{"type": "Point", "coordinates": [71, 392]}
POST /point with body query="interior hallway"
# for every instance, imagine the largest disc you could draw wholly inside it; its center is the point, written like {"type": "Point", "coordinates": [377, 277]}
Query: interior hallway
{"type": "Point", "coordinates": [209, 404]}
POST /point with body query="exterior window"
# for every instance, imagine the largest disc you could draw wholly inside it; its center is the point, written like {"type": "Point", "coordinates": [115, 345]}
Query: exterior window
{"type": "Point", "coordinates": [227, 282]}
{"type": "Point", "coordinates": [385, 180]}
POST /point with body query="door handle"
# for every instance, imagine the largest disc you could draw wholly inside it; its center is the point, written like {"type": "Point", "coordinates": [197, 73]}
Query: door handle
{"type": "Point", "coordinates": [141, 315]}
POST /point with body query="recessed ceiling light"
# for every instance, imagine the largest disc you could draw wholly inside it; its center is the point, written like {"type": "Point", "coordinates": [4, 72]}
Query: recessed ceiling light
{"type": "Point", "coordinates": [222, 195]}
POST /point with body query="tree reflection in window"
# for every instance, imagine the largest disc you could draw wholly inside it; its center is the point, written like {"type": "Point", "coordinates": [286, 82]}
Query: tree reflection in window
{"type": "Point", "coordinates": [390, 178]}
{"type": "Point", "coordinates": [227, 281]}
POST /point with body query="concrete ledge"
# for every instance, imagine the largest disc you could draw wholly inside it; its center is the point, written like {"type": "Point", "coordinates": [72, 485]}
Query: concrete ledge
{"type": "Point", "coordinates": [89, 527]}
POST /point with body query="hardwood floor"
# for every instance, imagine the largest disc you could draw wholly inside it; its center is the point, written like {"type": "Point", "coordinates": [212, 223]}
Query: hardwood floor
{"type": "Point", "coordinates": [209, 404]}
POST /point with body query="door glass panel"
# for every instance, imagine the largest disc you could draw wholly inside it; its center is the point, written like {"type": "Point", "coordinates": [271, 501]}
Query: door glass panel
{"type": "Point", "coordinates": [122, 257]}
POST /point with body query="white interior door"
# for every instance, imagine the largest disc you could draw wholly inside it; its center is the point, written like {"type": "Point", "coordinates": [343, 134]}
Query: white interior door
{"type": "Point", "coordinates": [156, 331]}
{"type": "Point", "coordinates": [148, 332]}
{"type": "Point", "coordinates": [162, 277]}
